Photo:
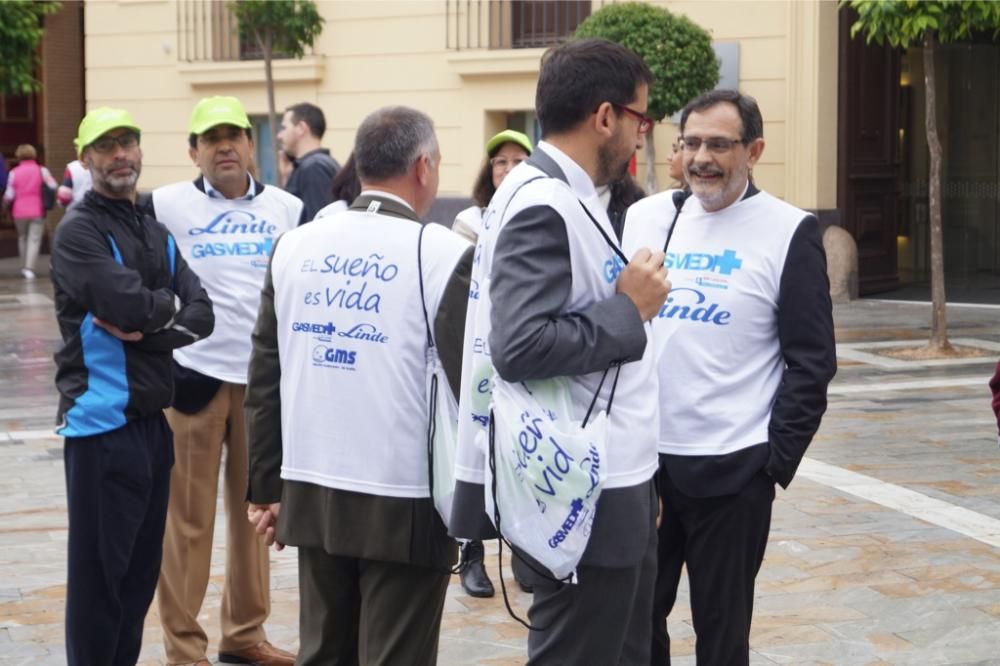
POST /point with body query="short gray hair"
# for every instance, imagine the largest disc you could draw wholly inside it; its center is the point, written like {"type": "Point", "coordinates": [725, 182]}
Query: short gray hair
{"type": "Point", "coordinates": [390, 140]}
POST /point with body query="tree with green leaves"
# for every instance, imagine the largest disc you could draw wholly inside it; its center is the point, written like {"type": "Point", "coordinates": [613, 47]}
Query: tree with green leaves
{"type": "Point", "coordinates": [676, 49]}
{"type": "Point", "coordinates": [21, 31]}
{"type": "Point", "coordinates": [905, 23]}
{"type": "Point", "coordinates": [285, 27]}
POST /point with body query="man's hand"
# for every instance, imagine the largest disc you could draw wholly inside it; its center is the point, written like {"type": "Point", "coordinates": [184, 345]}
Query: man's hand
{"type": "Point", "coordinates": [645, 281]}
{"type": "Point", "coordinates": [264, 518]}
{"type": "Point", "coordinates": [134, 336]}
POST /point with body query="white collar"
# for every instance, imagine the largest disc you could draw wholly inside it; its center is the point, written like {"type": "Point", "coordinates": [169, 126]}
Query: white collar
{"type": "Point", "coordinates": [386, 195]}
{"type": "Point", "coordinates": [579, 180]}
{"type": "Point", "coordinates": [216, 194]}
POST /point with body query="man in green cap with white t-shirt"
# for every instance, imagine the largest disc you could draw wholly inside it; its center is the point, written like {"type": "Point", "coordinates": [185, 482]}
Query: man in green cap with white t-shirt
{"type": "Point", "coordinates": [125, 299]}
{"type": "Point", "coordinates": [225, 223]}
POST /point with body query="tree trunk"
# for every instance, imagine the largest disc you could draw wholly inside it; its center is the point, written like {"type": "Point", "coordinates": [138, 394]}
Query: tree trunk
{"type": "Point", "coordinates": [652, 186]}
{"type": "Point", "coordinates": [267, 45]}
{"type": "Point", "coordinates": [939, 322]}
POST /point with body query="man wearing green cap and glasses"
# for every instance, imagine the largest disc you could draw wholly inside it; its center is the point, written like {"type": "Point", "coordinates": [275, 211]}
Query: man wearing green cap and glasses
{"type": "Point", "coordinates": [125, 299]}
{"type": "Point", "coordinates": [225, 223]}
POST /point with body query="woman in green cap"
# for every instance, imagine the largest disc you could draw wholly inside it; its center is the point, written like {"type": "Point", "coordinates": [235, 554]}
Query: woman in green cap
{"type": "Point", "coordinates": [503, 152]}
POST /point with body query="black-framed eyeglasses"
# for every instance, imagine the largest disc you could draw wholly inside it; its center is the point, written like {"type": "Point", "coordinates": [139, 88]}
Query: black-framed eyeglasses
{"type": "Point", "coordinates": [106, 144]}
{"type": "Point", "coordinates": [717, 145]}
{"type": "Point", "coordinates": [645, 122]}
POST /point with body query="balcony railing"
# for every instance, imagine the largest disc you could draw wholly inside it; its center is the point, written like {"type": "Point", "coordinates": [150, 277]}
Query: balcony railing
{"type": "Point", "coordinates": [512, 24]}
{"type": "Point", "coordinates": [208, 31]}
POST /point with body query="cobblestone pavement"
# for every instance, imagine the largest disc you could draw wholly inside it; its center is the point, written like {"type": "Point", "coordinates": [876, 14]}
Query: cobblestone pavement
{"type": "Point", "coordinates": [885, 550]}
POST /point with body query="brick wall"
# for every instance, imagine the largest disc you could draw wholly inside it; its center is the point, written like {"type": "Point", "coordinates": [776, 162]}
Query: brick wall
{"type": "Point", "coordinates": [62, 98]}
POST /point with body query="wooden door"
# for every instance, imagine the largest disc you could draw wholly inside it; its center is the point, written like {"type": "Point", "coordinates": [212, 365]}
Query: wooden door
{"type": "Point", "coordinates": [869, 155]}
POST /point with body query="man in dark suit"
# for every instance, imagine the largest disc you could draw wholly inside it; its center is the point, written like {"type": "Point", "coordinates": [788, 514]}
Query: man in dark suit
{"type": "Point", "coordinates": [339, 468]}
{"type": "Point", "coordinates": [564, 304]}
{"type": "Point", "coordinates": [313, 168]}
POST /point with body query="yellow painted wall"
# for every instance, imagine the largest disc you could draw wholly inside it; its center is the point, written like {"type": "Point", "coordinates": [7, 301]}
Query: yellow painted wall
{"type": "Point", "coordinates": [377, 52]}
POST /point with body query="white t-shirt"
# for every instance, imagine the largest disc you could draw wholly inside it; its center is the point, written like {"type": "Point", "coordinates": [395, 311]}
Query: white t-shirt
{"type": "Point", "coordinates": [227, 242]}
{"type": "Point", "coordinates": [337, 206]}
{"type": "Point", "coordinates": [353, 347]}
{"type": "Point", "coordinates": [469, 223]}
{"type": "Point", "coordinates": [82, 181]}
{"type": "Point", "coordinates": [719, 358]}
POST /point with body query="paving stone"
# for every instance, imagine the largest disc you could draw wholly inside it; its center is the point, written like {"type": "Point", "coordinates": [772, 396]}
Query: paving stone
{"type": "Point", "coordinates": [845, 581]}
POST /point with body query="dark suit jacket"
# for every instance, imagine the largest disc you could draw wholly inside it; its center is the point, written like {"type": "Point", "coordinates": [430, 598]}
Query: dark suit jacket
{"type": "Point", "coordinates": [530, 282]}
{"type": "Point", "coordinates": [341, 522]}
{"type": "Point", "coordinates": [311, 181]}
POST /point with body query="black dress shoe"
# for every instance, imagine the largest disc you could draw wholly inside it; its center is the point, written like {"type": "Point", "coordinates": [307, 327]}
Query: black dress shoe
{"type": "Point", "coordinates": [475, 582]}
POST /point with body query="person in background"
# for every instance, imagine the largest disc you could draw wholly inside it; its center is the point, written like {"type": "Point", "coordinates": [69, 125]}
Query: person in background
{"type": "Point", "coordinates": [302, 129]}
{"type": "Point", "coordinates": [617, 197]}
{"type": "Point", "coordinates": [3, 186]}
{"type": "Point", "coordinates": [345, 187]}
{"type": "Point", "coordinates": [995, 388]}
{"type": "Point", "coordinates": [76, 183]}
{"type": "Point", "coordinates": [503, 152]}
{"type": "Point", "coordinates": [285, 167]}
{"type": "Point", "coordinates": [3, 173]}
{"type": "Point", "coordinates": [24, 196]}
{"type": "Point", "coordinates": [677, 166]}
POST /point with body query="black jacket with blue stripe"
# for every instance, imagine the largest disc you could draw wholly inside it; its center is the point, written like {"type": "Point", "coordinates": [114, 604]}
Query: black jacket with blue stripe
{"type": "Point", "coordinates": [112, 262]}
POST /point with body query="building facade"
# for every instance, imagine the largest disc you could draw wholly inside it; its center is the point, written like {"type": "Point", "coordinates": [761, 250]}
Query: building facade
{"type": "Point", "coordinates": [48, 119]}
{"type": "Point", "coordinates": [841, 128]}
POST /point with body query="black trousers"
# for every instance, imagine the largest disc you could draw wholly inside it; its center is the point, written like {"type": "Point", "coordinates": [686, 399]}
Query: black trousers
{"type": "Point", "coordinates": [722, 541]}
{"type": "Point", "coordinates": [603, 619]}
{"type": "Point", "coordinates": [355, 611]}
{"type": "Point", "coordinates": [117, 485]}
{"type": "Point", "coordinates": [599, 620]}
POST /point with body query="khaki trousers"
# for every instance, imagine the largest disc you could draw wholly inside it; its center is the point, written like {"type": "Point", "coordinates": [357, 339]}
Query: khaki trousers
{"type": "Point", "coordinates": [187, 544]}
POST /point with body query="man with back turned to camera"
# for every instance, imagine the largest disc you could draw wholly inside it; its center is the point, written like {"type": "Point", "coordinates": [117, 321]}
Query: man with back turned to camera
{"type": "Point", "coordinates": [337, 405]}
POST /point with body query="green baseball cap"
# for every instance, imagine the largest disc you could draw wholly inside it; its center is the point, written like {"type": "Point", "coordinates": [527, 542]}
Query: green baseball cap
{"type": "Point", "coordinates": [213, 111]}
{"type": "Point", "coordinates": [509, 136]}
{"type": "Point", "coordinates": [99, 121]}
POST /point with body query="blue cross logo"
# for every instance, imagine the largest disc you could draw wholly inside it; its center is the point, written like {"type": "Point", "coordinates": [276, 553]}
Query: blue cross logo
{"type": "Point", "coordinates": [727, 262]}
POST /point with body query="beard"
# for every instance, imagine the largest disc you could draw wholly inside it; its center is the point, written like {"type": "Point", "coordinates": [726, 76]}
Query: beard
{"type": "Point", "coordinates": [714, 196]}
{"type": "Point", "coordinates": [611, 164]}
{"type": "Point", "coordinates": [118, 184]}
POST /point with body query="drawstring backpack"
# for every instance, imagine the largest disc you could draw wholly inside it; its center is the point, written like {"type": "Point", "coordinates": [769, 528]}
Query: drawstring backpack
{"type": "Point", "coordinates": [442, 415]}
